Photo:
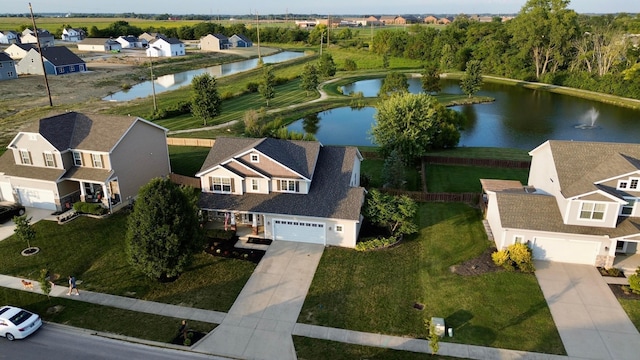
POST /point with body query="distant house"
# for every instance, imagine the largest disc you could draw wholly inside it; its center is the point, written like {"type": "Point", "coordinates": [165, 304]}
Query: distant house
{"type": "Point", "coordinates": [165, 47]}
{"type": "Point", "coordinates": [445, 20]}
{"type": "Point", "coordinates": [29, 37]}
{"type": "Point", "coordinates": [149, 36]}
{"type": "Point", "coordinates": [73, 35]}
{"type": "Point", "coordinates": [18, 51]}
{"type": "Point", "coordinates": [388, 19]}
{"type": "Point", "coordinates": [99, 44]}
{"type": "Point", "coordinates": [58, 60]}
{"type": "Point", "coordinates": [400, 20]}
{"type": "Point", "coordinates": [304, 24]}
{"type": "Point", "coordinates": [214, 42]}
{"type": "Point", "coordinates": [239, 40]}
{"type": "Point", "coordinates": [7, 67]}
{"type": "Point", "coordinates": [132, 42]}
{"type": "Point", "coordinates": [9, 37]}
{"type": "Point", "coordinates": [430, 19]}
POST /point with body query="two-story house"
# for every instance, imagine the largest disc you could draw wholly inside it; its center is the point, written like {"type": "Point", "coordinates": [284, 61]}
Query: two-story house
{"type": "Point", "coordinates": [7, 67]}
{"type": "Point", "coordinates": [285, 190]}
{"type": "Point", "coordinates": [58, 60]}
{"type": "Point", "coordinates": [165, 47]}
{"type": "Point", "coordinates": [99, 44]}
{"type": "Point", "coordinates": [73, 35]}
{"type": "Point", "coordinates": [239, 40]}
{"type": "Point", "coordinates": [9, 37]}
{"type": "Point", "coordinates": [71, 157]}
{"type": "Point", "coordinates": [580, 205]}
{"type": "Point", "coordinates": [18, 51]}
{"type": "Point", "coordinates": [45, 37]}
{"type": "Point", "coordinates": [132, 42]}
{"type": "Point", "coordinates": [214, 42]}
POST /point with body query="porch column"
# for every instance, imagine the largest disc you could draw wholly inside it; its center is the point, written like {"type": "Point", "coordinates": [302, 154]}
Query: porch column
{"type": "Point", "coordinates": [82, 193]}
{"type": "Point", "coordinates": [254, 224]}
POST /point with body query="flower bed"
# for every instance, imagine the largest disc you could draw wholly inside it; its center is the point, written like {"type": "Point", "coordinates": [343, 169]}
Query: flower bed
{"type": "Point", "coordinates": [226, 248]}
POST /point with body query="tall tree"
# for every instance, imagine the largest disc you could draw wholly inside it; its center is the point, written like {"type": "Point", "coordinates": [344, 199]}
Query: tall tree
{"type": "Point", "coordinates": [163, 230]}
{"type": "Point", "coordinates": [414, 124]}
{"type": "Point", "coordinates": [309, 78]}
{"type": "Point", "coordinates": [394, 82]}
{"type": "Point", "coordinates": [471, 81]}
{"type": "Point", "coordinates": [543, 30]}
{"type": "Point", "coordinates": [267, 86]}
{"type": "Point", "coordinates": [393, 171]}
{"type": "Point", "coordinates": [326, 66]}
{"type": "Point", "coordinates": [205, 101]}
{"type": "Point", "coordinates": [430, 79]}
{"type": "Point", "coordinates": [24, 230]}
{"type": "Point", "coordinates": [396, 213]}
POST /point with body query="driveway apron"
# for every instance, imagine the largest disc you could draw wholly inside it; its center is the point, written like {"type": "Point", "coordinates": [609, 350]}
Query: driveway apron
{"type": "Point", "coordinates": [260, 322]}
{"type": "Point", "coordinates": [589, 318]}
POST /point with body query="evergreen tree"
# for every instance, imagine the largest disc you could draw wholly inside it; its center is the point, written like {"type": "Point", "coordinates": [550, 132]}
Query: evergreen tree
{"type": "Point", "coordinates": [205, 101]}
{"type": "Point", "coordinates": [326, 65]}
{"type": "Point", "coordinates": [309, 78]}
{"type": "Point", "coordinates": [267, 85]}
{"type": "Point", "coordinates": [471, 82]}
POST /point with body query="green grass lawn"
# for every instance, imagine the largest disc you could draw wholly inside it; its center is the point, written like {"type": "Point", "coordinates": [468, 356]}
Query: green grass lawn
{"type": "Point", "coordinates": [187, 160]}
{"type": "Point", "coordinates": [374, 168]}
{"type": "Point", "coordinates": [452, 178]}
{"type": "Point", "coordinates": [94, 251]}
{"type": "Point", "coordinates": [308, 348]}
{"type": "Point", "coordinates": [485, 153]}
{"type": "Point", "coordinates": [100, 318]}
{"type": "Point", "coordinates": [632, 308]}
{"type": "Point", "coordinates": [375, 291]}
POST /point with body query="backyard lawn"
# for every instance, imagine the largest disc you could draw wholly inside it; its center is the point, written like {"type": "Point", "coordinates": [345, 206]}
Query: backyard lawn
{"type": "Point", "coordinates": [453, 178]}
{"type": "Point", "coordinates": [375, 291]}
{"type": "Point", "coordinates": [93, 250]}
{"type": "Point", "coordinates": [187, 160]}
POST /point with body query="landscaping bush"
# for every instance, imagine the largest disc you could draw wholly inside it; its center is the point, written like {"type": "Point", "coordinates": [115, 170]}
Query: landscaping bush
{"type": "Point", "coordinates": [376, 243]}
{"type": "Point", "coordinates": [220, 234]}
{"type": "Point", "coordinates": [252, 87]}
{"type": "Point", "coordinates": [515, 257]}
{"type": "Point", "coordinates": [89, 208]}
{"type": "Point", "coordinates": [634, 281]}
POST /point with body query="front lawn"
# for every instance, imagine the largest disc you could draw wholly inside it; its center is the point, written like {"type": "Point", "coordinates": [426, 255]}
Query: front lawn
{"type": "Point", "coordinates": [94, 251]}
{"type": "Point", "coordinates": [375, 291]}
{"type": "Point", "coordinates": [454, 178]}
{"type": "Point", "coordinates": [308, 348]}
{"type": "Point", "coordinates": [632, 308]}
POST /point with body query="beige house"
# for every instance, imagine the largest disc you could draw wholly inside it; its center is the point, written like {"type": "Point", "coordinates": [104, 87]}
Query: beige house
{"type": "Point", "coordinates": [214, 42]}
{"type": "Point", "coordinates": [99, 44]}
{"type": "Point", "coordinates": [72, 157]}
{"type": "Point", "coordinates": [580, 205]}
{"type": "Point", "coordinates": [430, 19]}
{"type": "Point", "coordinates": [285, 190]}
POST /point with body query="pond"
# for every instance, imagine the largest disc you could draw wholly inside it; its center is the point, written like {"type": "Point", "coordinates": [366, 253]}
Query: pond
{"type": "Point", "coordinates": [519, 118]}
{"type": "Point", "coordinates": [177, 80]}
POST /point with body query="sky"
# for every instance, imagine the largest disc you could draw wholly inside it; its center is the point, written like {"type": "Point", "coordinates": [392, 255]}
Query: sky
{"type": "Point", "coordinates": [242, 7]}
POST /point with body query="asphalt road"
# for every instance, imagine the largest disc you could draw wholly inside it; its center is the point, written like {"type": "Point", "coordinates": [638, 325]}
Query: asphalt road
{"type": "Point", "coordinates": [55, 342]}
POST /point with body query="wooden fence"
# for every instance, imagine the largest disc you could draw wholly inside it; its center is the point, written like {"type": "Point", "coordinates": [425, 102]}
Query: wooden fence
{"type": "Point", "coordinates": [419, 196]}
{"type": "Point", "coordinates": [190, 142]}
{"type": "Point", "coordinates": [185, 180]}
{"type": "Point", "coordinates": [497, 163]}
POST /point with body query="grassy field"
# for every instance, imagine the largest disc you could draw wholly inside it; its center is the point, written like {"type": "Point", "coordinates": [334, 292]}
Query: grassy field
{"type": "Point", "coordinates": [450, 178]}
{"type": "Point", "coordinates": [353, 290]}
{"type": "Point", "coordinates": [90, 316]}
{"type": "Point", "coordinates": [94, 251]}
{"type": "Point", "coordinates": [54, 23]}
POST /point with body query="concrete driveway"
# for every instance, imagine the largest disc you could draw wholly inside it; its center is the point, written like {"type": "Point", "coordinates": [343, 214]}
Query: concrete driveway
{"type": "Point", "coordinates": [7, 229]}
{"type": "Point", "coordinates": [589, 318]}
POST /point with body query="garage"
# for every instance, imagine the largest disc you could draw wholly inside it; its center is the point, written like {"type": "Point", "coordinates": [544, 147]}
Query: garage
{"type": "Point", "coordinates": [301, 231]}
{"type": "Point", "coordinates": [37, 198]}
{"type": "Point", "coordinates": [6, 194]}
{"type": "Point", "coordinates": [563, 250]}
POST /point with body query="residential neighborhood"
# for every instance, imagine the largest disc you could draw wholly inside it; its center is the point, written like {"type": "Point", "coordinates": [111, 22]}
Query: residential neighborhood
{"type": "Point", "coordinates": [383, 183]}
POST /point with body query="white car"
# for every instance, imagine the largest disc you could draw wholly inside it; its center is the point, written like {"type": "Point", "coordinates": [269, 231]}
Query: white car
{"type": "Point", "coordinates": [16, 323]}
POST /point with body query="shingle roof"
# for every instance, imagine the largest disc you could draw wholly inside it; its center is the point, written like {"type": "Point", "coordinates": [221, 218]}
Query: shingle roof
{"type": "Point", "coordinates": [5, 57]}
{"type": "Point", "coordinates": [74, 130]}
{"type": "Point", "coordinates": [98, 41]}
{"type": "Point", "coordinates": [167, 39]}
{"type": "Point", "coordinates": [9, 167]}
{"type": "Point", "coordinates": [60, 56]}
{"type": "Point", "coordinates": [299, 156]}
{"type": "Point", "coordinates": [580, 164]}
{"type": "Point", "coordinates": [243, 38]}
{"type": "Point", "coordinates": [220, 37]}
{"type": "Point", "coordinates": [26, 47]}
{"type": "Point", "coordinates": [330, 195]}
{"type": "Point", "coordinates": [540, 213]}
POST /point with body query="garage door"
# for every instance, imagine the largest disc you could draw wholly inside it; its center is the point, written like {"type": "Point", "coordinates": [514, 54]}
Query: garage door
{"type": "Point", "coordinates": [562, 250]}
{"type": "Point", "coordinates": [301, 231]}
{"type": "Point", "coordinates": [37, 198]}
{"type": "Point", "coordinates": [6, 194]}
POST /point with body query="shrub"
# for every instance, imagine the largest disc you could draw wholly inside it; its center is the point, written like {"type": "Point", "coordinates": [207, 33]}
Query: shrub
{"type": "Point", "coordinates": [614, 272]}
{"type": "Point", "coordinates": [350, 65]}
{"type": "Point", "coordinates": [634, 281]}
{"type": "Point", "coordinates": [501, 258]}
{"type": "Point", "coordinates": [517, 256]}
{"type": "Point", "coordinates": [252, 87]}
{"type": "Point", "coordinates": [89, 208]}
{"type": "Point", "coordinates": [375, 243]}
{"type": "Point", "coordinates": [220, 234]}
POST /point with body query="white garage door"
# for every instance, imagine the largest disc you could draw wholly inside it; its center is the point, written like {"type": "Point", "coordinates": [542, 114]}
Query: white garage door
{"type": "Point", "coordinates": [37, 198]}
{"type": "Point", "coordinates": [6, 194]}
{"type": "Point", "coordinates": [569, 251]}
{"type": "Point", "coordinates": [302, 231]}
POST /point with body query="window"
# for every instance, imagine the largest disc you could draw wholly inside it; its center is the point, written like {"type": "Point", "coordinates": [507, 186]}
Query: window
{"type": "Point", "coordinates": [288, 186]}
{"type": "Point", "coordinates": [10, 74]}
{"type": "Point", "coordinates": [634, 184]}
{"type": "Point", "coordinates": [623, 184]}
{"type": "Point", "coordinates": [518, 239]}
{"type": "Point", "coordinates": [255, 158]}
{"type": "Point", "coordinates": [77, 158]}
{"type": "Point", "coordinates": [254, 184]}
{"type": "Point", "coordinates": [339, 228]}
{"type": "Point", "coordinates": [48, 160]}
{"type": "Point", "coordinates": [96, 159]}
{"type": "Point", "coordinates": [25, 157]}
{"type": "Point", "coordinates": [627, 209]}
{"type": "Point", "coordinates": [592, 211]}
{"type": "Point", "coordinates": [221, 184]}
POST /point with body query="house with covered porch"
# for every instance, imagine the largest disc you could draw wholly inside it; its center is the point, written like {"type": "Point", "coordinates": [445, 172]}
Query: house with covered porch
{"type": "Point", "coordinates": [580, 204]}
{"type": "Point", "coordinates": [284, 190]}
{"type": "Point", "coordinates": [59, 160]}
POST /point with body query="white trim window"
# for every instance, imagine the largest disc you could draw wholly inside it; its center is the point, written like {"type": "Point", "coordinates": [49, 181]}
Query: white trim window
{"type": "Point", "coordinates": [627, 209]}
{"type": "Point", "coordinates": [96, 159]}
{"type": "Point", "coordinates": [288, 186]}
{"type": "Point", "coordinates": [25, 157]}
{"type": "Point", "coordinates": [49, 161]}
{"type": "Point", "coordinates": [255, 185]}
{"type": "Point", "coordinates": [339, 228]}
{"type": "Point", "coordinates": [623, 184]}
{"type": "Point", "coordinates": [633, 183]}
{"type": "Point", "coordinates": [592, 211]}
{"type": "Point", "coordinates": [254, 158]}
{"type": "Point", "coordinates": [221, 184]}
{"type": "Point", "coordinates": [518, 239]}
{"type": "Point", "coordinates": [77, 158]}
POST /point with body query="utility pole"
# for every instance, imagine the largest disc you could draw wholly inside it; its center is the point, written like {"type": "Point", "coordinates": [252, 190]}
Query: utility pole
{"type": "Point", "coordinates": [321, 36]}
{"type": "Point", "coordinates": [44, 70]}
{"type": "Point", "coordinates": [153, 85]}
{"type": "Point", "coordinates": [328, 31]}
{"type": "Point", "coordinates": [258, 31]}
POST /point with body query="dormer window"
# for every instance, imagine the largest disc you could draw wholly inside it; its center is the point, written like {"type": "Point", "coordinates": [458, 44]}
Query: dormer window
{"type": "Point", "coordinates": [221, 184]}
{"type": "Point", "coordinates": [255, 158]}
{"type": "Point", "coordinates": [628, 184]}
{"type": "Point", "coordinates": [633, 185]}
{"type": "Point", "coordinates": [25, 157]}
{"type": "Point", "coordinates": [288, 186]}
{"type": "Point", "coordinates": [627, 210]}
{"type": "Point", "coordinates": [623, 184]}
{"type": "Point", "coordinates": [97, 160]}
{"type": "Point", "coordinates": [77, 158]}
{"type": "Point", "coordinates": [592, 211]}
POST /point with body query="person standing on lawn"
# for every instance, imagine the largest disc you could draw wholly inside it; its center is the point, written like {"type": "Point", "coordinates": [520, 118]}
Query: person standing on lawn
{"type": "Point", "coordinates": [72, 285]}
